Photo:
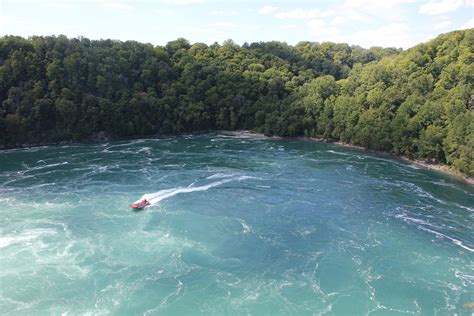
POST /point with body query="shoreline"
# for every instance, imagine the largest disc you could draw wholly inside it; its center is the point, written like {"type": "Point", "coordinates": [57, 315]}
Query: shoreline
{"type": "Point", "coordinates": [442, 168]}
{"type": "Point", "coordinates": [99, 138]}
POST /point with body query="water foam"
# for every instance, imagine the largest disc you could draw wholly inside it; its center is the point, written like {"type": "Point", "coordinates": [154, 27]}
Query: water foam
{"type": "Point", "coordinates": [26, 236]}
{"type": "Point", "coordinates": [338, 153]}
{"type": "Point", "coordinates": [454, 240]}
{"type": "Point", "coordinates": [154, 198]}
{"type": "Point", "coordinates": [221, 175]}
{"type": "Point", "coordinates": [421, 224]}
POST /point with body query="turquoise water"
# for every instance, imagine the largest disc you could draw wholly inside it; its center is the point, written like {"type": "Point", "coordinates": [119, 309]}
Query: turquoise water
{"type": "Point", "coordinates": [238, 226]}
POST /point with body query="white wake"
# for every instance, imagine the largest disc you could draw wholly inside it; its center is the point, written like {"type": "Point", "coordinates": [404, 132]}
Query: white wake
{"type": "Point", "coordinates": [154, 198]}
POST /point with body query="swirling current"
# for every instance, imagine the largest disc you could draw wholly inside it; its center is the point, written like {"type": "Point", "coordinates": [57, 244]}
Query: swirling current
{"type": "Point", "coordinates": [237, 226]}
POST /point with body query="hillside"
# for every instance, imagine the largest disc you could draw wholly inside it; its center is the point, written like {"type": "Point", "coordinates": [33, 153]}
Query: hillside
{"type": "Point", "coordinates": [416, 103]}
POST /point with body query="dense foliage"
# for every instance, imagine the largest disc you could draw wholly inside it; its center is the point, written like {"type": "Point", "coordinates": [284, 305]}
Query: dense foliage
{"type": "Point", "coordinates": [417, 102]}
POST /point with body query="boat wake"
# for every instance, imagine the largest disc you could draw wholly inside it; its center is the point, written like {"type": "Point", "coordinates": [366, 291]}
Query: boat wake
{"type": "Point", "coordinates": [423, 225]}
{"type": "Point", "coordinates": [154, 198]}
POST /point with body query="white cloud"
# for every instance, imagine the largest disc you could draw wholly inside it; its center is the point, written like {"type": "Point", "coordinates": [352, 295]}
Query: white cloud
{"type": "Point", "coordinates": [324, 32]}
{"type": "Point", "coordinates": [394, 34]}
{"type": "Point", "coordinates": [468, 25]}
{"type": "Point", "coordinates": [380, 22]}
{"type": "Point", "coordinates": [391, 35]}
{"type": "Point", "coordinates": [165, 11]}
{"type": "Point", "coordinates": [369, 4]}
{"type": "Point", "coordinates": [299, 14]}
{"type": "Point", "coordinates": [182, 2]}
{"type": "Point", "coordinates": [442, 25]}
{"type": "Point", "coordinates": [288, 26]}
{"type": "Point", "coordinates": [366, 10]}
{"type": "Point", "coordinates": [208, 30]}
{"type": "Point", "coordinates": [114, 5]}
{"type": "Point", "coordinates": [223, 13]}
{"type": "Point", "coordinates": [5, 20]}
{"type": "Point", "coordinates": [338, 20]}
{"type": "Point", "coordinates": [59, 5]}
{"type": "Point", "coordinates": [440, 7]}
{"type": "Point", "coordinates": [267, 9]}
{"type": "Point", "coordinates": [353, 10]}
{"type": "Point", "coordinates": [222, 24]}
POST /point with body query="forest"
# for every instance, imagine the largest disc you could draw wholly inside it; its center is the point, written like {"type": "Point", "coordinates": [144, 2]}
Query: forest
{"type": "Point", "coordinates": [417, 102]}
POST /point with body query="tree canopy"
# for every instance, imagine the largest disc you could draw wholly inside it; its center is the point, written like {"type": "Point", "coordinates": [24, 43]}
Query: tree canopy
{"type": "Point", "coordinates": [417, 102]}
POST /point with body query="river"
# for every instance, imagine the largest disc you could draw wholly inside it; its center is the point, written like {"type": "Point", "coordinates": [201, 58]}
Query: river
{"type": "Point", "coordinates": [237, 226]}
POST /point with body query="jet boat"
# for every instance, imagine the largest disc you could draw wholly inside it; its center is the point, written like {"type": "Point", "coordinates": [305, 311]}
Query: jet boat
{"type": "Point", "coordinates": [140, 204]}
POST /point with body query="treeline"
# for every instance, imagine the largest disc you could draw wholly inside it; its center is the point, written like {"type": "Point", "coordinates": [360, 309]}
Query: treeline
{"type": "Point", "coordinates": [417, 103]}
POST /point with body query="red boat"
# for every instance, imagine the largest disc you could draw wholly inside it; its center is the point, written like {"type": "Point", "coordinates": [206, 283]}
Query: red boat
{"type": "Point", "coordinates": [140, 204]}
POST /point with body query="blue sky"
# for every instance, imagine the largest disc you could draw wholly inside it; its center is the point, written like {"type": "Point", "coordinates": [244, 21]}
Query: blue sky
{"type": "Point", "coordinates": [396, 23]}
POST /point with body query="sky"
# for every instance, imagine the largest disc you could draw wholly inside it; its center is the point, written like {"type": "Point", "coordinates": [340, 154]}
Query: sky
{"type": "Point", "coordinates": [386, 23]}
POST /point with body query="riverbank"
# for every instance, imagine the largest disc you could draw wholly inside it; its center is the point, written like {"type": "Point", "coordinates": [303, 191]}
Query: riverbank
{"type": "Point", "coordinates": [438, 167]}
{"type": "Point", "coordinates": [102, 137]}
{"type": "Point", "coordinates": [445, 169]}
